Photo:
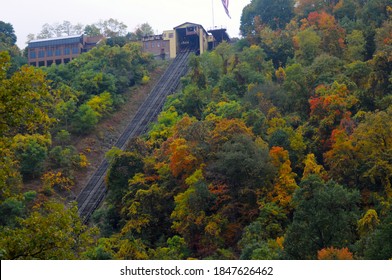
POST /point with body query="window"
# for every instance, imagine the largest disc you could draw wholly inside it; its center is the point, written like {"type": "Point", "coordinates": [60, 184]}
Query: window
{"type": "Point", "coordinates": [171, 35]}
{"type": "Point", "coordinates": [158, 45]}
{"type": "Point", "coordinates": [49, 52]}
{"type": "Point", "coordinates": [146, 45]}
{"type": "Point", "coordinates": [58, 52]}
{"type": "Point", "coordinates": [67, 51]}
{"type": "Point", "coordinates": [33, 54]}
{"type": "Point", "coordinates": [75, 50]}
{"type": "Point", "coordinates": [152, 45]}
{"type": "Point", "coordinates": [41, 53]}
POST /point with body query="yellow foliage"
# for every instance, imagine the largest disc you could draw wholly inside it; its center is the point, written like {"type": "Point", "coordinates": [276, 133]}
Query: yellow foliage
{"type": "Point", "coordinates": [101, 104]}
{"type": "Point", "coordinates": [311, 167]}
{"type": "Point", "coordinates": [368, 223]}
{"type": "Point", "coordinates": [280, 75]}
{"type": "Point", "coordinates": [83, 161]}
{"type": "Point", "coordinates": [59, 180]}
{"type": "Point", "coordinates": [280, 242]}
{"type": "Point", "coordinates": [145, 79]}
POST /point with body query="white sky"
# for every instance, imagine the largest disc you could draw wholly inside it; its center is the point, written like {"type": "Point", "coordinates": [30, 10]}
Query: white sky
{"type": "Point", "coordinates": [28, 16]}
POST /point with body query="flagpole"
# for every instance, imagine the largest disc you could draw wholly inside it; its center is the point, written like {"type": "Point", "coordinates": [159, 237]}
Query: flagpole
{"type": "Point", "coordinates": [213, 14]}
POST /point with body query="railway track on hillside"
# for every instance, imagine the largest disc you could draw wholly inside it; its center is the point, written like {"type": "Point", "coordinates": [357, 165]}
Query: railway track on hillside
{"type": "Point", "coordinates": [94, 192]}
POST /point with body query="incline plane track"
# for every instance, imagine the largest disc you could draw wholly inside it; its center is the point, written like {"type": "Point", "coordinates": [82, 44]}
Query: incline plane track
{"type": "Point", "coordinates": [94, 192]}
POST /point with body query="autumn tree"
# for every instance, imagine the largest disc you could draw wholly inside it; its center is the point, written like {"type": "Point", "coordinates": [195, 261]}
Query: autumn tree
{"type": "Point", "coordinates": [361, 160]}
{"type": "Point", "coordinates": [332, 253]}
{"type": "Point", "coordinates": [24, 111]}
{"type": "Point", "coordinates": [52, 232]}
{"type": "Point", "coordinates": [25, 98]}
{"type": "Point", "coordinates": [193, 219]}
{"type": "Point", "coordinates": [284, 182]}
{"type": "Point", "coordinates": [304, 7]}
{"type": "Point", "coordinates": [330, 107]}
{"type": "Point", "coordinates": [332, 35]}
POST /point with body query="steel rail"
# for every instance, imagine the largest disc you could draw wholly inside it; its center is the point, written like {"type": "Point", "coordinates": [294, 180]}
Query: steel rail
{"type": "Point", "coordinates": [95, 190]}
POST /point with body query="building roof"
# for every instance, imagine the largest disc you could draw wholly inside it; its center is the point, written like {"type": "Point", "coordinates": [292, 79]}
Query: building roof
{"type": "Point", "coordinates": [188, 24]}
{"type": "Point", "coordinates": [55, 41]}
{"type": "Point", "coordinates": [220, 35]}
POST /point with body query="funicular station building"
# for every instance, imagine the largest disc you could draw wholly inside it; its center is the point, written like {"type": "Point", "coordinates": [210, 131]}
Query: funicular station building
{"type": "Point", "coordinates": [185, 37]}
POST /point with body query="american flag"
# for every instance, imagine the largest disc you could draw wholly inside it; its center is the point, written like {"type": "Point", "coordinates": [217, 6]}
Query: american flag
{"type": "Point", "coordinates": [226, 6]}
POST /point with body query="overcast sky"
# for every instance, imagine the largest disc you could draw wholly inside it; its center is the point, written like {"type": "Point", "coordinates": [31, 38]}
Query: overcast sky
{"type": "Point", "coordinates": [28, 16]}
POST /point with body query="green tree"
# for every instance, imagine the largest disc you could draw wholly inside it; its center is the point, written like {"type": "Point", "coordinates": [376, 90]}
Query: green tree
{"type": "Point", "coordinates": [143, 30]}
{"type": "Point", "coordinates": [7, 34]}
{"type": "Point", "coordinates": [32, 159]}
{"type": "Point", "coordinates": [85, 119]}
{"type": "Point", "coordinates": [297, 89]}
{"type": "Point", "coordinates": [176, 250]}
{"type": "Point", "coordinates": [355, 46]}
{"type": "Point", "coordinates": [326, 215]}
{"type": "Point", "coordinates": [92, 30]}
{"type": "Point", "coordinates": [276, 14]}
{"type": "Point", "coordinates": [307, 44]}
{"type": "Point", "coordinates": [112, 27]}
{"type": "Point", "coordinates": [31, 151]}
{"type": "Point", "coordinates": [258, 238]}
{"type": "Point", "coordinates": [255, 164]}
{"type": "Point", "coordinates": [378, 245]}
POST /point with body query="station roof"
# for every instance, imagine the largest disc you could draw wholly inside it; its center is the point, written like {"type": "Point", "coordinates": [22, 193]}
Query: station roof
{"type": "Point", "coordinates": [56, 41]}
{"type": "Point", "coordinates": [189, 24]}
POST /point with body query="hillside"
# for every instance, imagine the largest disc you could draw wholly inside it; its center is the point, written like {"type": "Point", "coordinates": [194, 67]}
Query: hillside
{"type": "Point", "coordinates": [277, 147]}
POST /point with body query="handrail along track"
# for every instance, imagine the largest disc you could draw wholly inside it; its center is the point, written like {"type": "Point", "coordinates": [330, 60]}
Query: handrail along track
{"type": "Point", "coordinates": [94, 192]}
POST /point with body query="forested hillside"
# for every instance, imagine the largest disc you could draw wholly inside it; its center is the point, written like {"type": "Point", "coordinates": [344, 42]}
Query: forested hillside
{"type": "Point", "coordinates": [278, 146]}
{"type": "Point", "coordinates": [44, 113]}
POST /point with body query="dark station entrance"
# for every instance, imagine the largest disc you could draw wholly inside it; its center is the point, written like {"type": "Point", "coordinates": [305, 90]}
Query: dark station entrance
{"type": "Point", "coordinates": [192, 37]}
{"type": "Point", "coordinates": [188, 39]}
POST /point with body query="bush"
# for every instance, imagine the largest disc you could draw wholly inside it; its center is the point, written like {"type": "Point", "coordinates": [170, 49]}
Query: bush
{"type": "Point", "coordinates": [85, 120]}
